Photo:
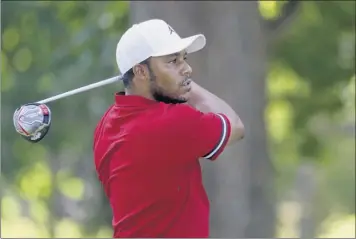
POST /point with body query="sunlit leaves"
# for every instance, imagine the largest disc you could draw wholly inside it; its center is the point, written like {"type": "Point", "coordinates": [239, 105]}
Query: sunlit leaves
{"type": "Point", "coordinates": [106, 20]}
{"type": "Point", "coordinates": [112, 6]}
{"type": "Point", "coordinates": [312, 14]}
{"type": "Point", "coordinates": [339, 227]}
{"type": "Point", "coordinates": [279, 115]}
{"type": "Point", "coordinates": [72, 187]}
{"type": "Point", "coordinates": [65, 9]}
{"type": "Point", "coordinates": [104, 232]}
{"type": "Point", "coordinates": [283, 82]}
{"type": "Point", "coordinates": [73, 14]}
{"type": "Point", "coordinates": [10, 39]}
{"type": "Point", "coordinates": [36, 182]}
{"type": "Point", "coordinates": [316, 33]}
{"type": "Point", "coordinates": [67, 228]}
{"type": "Point", "coordinates": [349, 94]}
{"type": "Point", "coordinates": [45, 82]}
{"type": "Point", "coordinates": [28, 153]}
{"type": "Point", "coordinates": [10, 208]}
{"type": "Point", "coordinates": [14, 225]}
{"type": "Point", "coordinates": [270, 9]}
{"type": "Point", "coordinates": [346, 51]}
{"type": "Point", "coordinates": [22, 227]}
{"type": "Point", "coordinates": [341, 153]}
{"type": "Point", "coordinates": [39, 211]}
{"type": "Point", "coordinates": [29, 22]}
{"type": "Point", "coordinates": [312, 62]}
{"type": "Point", "coordinates": [22, 59]}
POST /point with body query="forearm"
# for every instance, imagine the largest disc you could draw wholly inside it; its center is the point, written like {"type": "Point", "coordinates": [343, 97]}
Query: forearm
{"type": "Point", "coordinates": [205, 101]}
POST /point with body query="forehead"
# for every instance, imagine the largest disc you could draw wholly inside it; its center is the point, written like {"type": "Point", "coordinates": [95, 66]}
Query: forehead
{"type": "Point", "coordinates": [177, 54]}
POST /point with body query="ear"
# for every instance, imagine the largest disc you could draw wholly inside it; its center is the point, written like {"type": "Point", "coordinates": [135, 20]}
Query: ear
{"type": "Point", "coordinates": [140, 71]}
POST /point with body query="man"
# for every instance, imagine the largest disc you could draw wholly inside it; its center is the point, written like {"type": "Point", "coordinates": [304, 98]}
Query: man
{"type": "Point", "coordinates": [148, 144]}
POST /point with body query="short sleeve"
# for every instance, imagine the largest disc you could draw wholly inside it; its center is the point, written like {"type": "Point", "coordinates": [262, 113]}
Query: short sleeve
{"type": "Point", "coordinates": [197, 134]}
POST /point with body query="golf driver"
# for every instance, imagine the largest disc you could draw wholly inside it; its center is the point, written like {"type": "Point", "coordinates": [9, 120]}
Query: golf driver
{"type": "Point", "coordinates": [33, 120]}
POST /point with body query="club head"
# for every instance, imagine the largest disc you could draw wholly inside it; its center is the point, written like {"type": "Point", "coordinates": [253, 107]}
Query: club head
{"type": "Point", "coordinates": [32, 121]}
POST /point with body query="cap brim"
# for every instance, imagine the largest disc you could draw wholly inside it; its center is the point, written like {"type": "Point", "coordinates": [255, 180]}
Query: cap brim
{"type": "Point", "coordinates": [190, 44]}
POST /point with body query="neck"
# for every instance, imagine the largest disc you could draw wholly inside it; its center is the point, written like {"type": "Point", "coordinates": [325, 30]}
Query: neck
{"type": "Point", "coordinates": [145, 94]}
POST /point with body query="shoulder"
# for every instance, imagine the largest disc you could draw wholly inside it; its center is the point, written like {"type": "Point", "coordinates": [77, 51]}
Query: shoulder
{"type": "Point", "coordinates": [177, 115]}
{"type": "Point", "coordinates": [103, 120]}
{"type": "Point", "coordinates": [180, 111]}
{"type": "Point", "coordinates": [163, 121]}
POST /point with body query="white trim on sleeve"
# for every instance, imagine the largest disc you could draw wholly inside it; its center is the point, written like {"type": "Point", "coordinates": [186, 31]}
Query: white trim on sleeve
{"type": "Point", "coordinates": [221, 141]}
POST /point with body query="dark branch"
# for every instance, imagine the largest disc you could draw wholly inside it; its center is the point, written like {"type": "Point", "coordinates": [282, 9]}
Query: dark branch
{"type": "Point", "coordinates": [273, 27]}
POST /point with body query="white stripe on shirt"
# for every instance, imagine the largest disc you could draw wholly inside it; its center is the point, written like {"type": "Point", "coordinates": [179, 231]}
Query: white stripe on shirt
{"type": "Point", "coordinates": [222, 139]}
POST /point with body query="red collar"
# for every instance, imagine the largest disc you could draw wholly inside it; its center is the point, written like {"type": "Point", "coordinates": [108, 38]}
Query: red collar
{"type": "Point", "coordinates": [132, 100]}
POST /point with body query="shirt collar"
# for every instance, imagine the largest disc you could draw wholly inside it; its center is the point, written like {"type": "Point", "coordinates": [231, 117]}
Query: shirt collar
{"type": "Point", "coordinates": [132, 100]}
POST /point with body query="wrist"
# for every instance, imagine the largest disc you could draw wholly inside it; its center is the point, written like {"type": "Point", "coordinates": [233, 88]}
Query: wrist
{"type": "Point", "coordinates": [195, 94]}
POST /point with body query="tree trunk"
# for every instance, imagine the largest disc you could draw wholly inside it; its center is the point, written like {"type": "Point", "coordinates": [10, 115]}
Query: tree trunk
{"type": "Point", "coordinates": [232, 66]}
{"type": "Point", "coordinates": [305, 187]}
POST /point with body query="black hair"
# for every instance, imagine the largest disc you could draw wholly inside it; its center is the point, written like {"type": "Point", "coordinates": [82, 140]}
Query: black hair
{"type": "Point", "coordinates": [129, 75]}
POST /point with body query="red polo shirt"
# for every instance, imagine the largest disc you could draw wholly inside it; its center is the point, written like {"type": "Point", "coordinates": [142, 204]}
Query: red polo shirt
{"type": "Point", "coordinates": [146, 155]}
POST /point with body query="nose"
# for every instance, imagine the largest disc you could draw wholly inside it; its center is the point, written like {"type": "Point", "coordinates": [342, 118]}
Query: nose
{"type": "Point", "coordinates": [187, 70]}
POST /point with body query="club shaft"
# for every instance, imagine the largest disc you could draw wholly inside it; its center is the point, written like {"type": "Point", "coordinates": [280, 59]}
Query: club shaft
{"type": "Point", "coordinates": [81, 89]}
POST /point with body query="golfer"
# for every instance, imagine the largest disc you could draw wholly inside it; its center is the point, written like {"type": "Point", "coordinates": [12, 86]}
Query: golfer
{"type": "Point", "coordinates": [148, 144]}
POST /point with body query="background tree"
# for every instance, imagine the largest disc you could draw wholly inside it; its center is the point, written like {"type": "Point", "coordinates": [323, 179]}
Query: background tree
{"type": "Point", "coordinates": [232, 66]}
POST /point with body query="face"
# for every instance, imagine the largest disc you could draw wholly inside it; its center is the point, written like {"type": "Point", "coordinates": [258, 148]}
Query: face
{"type": "Point", "coordinates": [169, 78]}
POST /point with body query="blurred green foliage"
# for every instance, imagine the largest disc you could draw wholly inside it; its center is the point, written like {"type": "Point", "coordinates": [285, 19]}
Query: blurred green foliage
{"type": "Point", "coordinates": [311, 66]}
{"type": "Point", "coordinates": [324, 62]}
{"type": "Point", "coordinates": [50, 47]}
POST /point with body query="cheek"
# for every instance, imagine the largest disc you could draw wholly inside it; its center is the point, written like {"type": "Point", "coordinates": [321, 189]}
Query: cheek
{"type": "Point", "coordinates": [169, 83]}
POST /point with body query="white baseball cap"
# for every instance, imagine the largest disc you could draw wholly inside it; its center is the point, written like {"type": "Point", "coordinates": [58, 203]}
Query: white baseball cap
{"type": "Point", "coordinates": [150, 39]}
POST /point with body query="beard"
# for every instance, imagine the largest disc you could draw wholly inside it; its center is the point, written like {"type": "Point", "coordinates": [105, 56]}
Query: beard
{"type": "Point", "coordinates": [159, 95]}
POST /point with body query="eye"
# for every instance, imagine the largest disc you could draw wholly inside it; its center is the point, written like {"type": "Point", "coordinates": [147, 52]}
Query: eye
{"type": "Point", "coordinates": [173, 61]}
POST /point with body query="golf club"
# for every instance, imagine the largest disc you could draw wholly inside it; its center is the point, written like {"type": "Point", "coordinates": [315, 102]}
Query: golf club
{"type": "Point", "coordinates": [33, 120]}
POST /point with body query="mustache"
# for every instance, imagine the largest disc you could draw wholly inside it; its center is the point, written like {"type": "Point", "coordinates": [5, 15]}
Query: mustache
{"type": "Point", "coordinates": [186, 82]}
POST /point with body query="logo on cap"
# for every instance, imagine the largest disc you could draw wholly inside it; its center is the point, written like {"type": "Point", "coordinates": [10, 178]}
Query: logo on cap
{"type": "Point", "coordinates": [170, 29]}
